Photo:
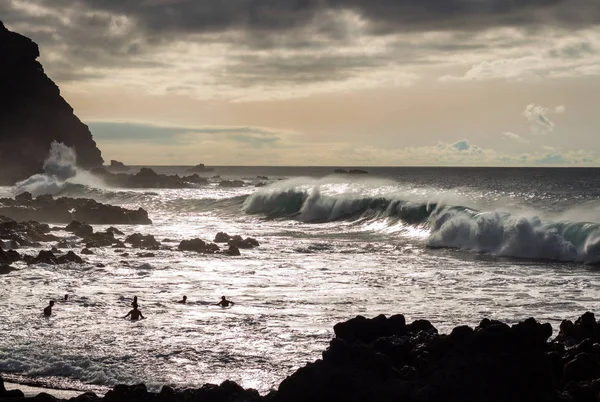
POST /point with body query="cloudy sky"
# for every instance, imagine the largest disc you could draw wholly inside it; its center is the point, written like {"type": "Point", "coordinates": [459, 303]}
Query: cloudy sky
{"type": "Point", "coordinates": [326, 82]}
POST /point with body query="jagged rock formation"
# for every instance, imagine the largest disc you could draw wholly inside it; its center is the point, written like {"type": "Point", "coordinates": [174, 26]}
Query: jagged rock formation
{"type": "Point", "coordinates": [33, 114]}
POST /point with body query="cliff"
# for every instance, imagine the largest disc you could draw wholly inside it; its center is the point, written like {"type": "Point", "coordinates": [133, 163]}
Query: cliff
{"type": "Point", "coordinates": [33, 113]}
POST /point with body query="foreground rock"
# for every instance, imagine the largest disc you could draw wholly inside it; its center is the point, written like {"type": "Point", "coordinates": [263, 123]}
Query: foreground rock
{"type": "Point", "coordinates": [25, 234]}
{"type": "Point", "coordinates": [33, 114]}
{"type": "Point", "coordinates": [387, 359]}
{"type": "Point", "coordinates": [65, 210]}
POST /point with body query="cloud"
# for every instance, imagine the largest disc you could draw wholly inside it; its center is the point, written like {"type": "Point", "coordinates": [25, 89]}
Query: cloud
{"type": "Point", "coordinates": [538, 118]}
{"type": "Point", "coordinates": [515, 137]}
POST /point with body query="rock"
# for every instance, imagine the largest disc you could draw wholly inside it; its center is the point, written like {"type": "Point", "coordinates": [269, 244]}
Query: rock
{"type": "Point", "coordinates": [238, 242]}
{"type": "Point", "coordinates": [231, 183]}
{"type": "Point", "coordinates": [195, 179]}
{"type": "Point", "coordinates": [199, 246]}
{"type": "Point", "coordinates": [232, 251]}
{"type": "Point", "coordinates": [6, 269]}
{"type": "Point", "coordinates": [34, 114]}
{"type": "Point", "coordinates": [48, 257]}
{"type": "Point", "coordinates": [24, 197]}
{"type": "Point", "coordinates": [221, 237]}
{"type": "Point", "coordinates": [114, 231]}
{"type": "Point", "coordinates": [200, 168]}
{"type": "Point", "coordinates": [66, 210]}
{"type": "Point", "coordinates": [25, 233]}
{"type": "Point", "coordinates": [8, 257]}
{"type": "Point", "coordinates": [100, 239]}
{"type": "Point", "coordinates": [145, 178]}
{"type": "Point", "coordinates": [79, 229]}
{"type": "Point", "coordinates": [357, 171]}
{"type": "Point", "coordinates": [340, 171]}
{"type": "Point", "coordinates": [142, 241]}
{"type": "Point", "coordinates": [87, 251]}
{"type": "Point", "coordinates": [117, 166]}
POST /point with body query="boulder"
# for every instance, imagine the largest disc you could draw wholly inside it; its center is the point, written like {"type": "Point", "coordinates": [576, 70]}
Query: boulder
{"type": "Point", "coordinates": [33, 114]}
{"type": "Point", "coordinates": [138, 240]}
{"type": "Point", "coordinates": [79, 229]}
{"type": "Point", "coordinates": [199, 169]}
{"type": "Point", "coordinates": [231, 183]}
{"type": "Point", "coordinates": [6, 269]}
{"type": "Point", "coordinates": [199, 246]}
{"type": "Point", "coordinates": [221, 237]}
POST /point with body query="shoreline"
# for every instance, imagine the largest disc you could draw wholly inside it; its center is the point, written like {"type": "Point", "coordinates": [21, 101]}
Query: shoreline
{"type": "Point", "coordinates": [385, 358]}
{"type": "Point", "coordinates": [31, 391]}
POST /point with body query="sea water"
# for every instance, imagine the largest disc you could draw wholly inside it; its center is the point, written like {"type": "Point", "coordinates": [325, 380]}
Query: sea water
{"type": "Point", "coordinates": [451, 245]}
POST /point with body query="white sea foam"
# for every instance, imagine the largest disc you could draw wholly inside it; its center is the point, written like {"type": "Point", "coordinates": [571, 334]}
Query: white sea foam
{"type": "Point", "coordinates": [60, 172]}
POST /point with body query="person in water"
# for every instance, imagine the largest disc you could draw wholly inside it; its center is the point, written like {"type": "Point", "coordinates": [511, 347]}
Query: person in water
{"type": "Point", "coordinates": [66, 298]}
{"type": "Point", "coordinates": [183, 300]}
{"type": "Point", "coordinates": [224, 302]}
{"type": "Point", "coordinates": [135, 313]}
{"type": "Point", "coordinates": [134, 303]}
{"type": "Point", "coordinates": [48, 309]}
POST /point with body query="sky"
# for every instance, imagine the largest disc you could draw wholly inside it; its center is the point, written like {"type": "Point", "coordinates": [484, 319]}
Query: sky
{"type": "Point", "coordinates": [326, 82]}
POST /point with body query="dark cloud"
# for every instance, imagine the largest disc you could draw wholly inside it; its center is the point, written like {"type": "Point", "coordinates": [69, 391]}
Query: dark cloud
{"type": "Point", "coordinates": [384, 15]}
{"type": "Point", "coordinates": [125, 33]}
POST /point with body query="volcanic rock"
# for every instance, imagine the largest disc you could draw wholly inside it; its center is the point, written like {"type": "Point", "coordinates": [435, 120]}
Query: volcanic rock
{"type": "Point", "coordinates": [199, 246]}
{"type": "Point", "coordinates": [33, 114]}
{"type": "Point", "coordinates": [65, 210]}
{"type": "Point", "coordinates": [138, 240]}
{"type": "Point", "coordinates": [117, 166]}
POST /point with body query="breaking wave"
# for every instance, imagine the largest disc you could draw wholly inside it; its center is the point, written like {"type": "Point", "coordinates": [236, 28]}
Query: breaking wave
{"type": "Point", "coordinates": [60, 173]}
{"type": "Point", "coordinates": [450, 226]}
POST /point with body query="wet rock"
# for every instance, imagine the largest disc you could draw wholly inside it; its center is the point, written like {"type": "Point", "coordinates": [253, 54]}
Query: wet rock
{"type": "Point", "coordinates": [138, 240]}
{"type": "Point", "coordinates": [221, 237]}
{"type": "Point", "coordinates": [66, 210]}
{"type": "Point", "coordinates": [231, 183]}
{"type": "Point", "coordinates": [114, 231]}
{"type": "Point", "coordinates": [79, 229]}
{"type": "Point", "coordinates": [6, 269]}
{"type": "Point", "coordinates": [8, 257]}
{"type": "Point", "coordinates": [24, 197]}
{"type": "Point", "coordinates": [239, 242]}
{"type": "Point", "coordinates": [48, 257]}
{"type": "Point", "coordinates": [199, 246]}
{"type": "Point", "coordinates": [232, 251]}
{"type": "Point", "coordinates": [25, 234]}
{"type": "Point", "coordinates": [87, 251]}
{"type": "Point", "coordinates": [145, 178]}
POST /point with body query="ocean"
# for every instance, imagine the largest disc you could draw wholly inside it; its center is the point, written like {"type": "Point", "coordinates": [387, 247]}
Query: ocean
{"type": "Point", "coordinates": [451, 245]}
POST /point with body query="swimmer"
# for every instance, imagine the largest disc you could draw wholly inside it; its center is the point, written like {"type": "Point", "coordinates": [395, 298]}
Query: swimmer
{"type": "Point", "coordinates": [135, 314]}
{"type": "Point", "coordinates": [48, 309]}
{"type": "Point", "coordinates": [66, 298]}
{"type": "Point", "coordinates": [183, 300]}
{"type": "Point", "coordinates": [224, 302]}
{"type": "Point", "coordinates": [134, 303]}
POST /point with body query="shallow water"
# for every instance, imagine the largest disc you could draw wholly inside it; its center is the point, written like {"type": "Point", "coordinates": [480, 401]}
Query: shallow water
{"type": "Point", "coordinates": [348, 247]}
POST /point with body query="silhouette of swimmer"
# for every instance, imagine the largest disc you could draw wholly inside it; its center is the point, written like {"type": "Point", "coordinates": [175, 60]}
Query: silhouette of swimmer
{"type": "Point", "coordinates": [224, 302]}
{"type": "Point", "coordinates": [66, 297]}
{"type": "Point", "coordinates": [135, 313]}
{"type": "Point", "coordinates": [183, 300]}
{"type": "Point", "coordinates": [48, 309]}
{"type": "Point", "coordinates": [134, 303]}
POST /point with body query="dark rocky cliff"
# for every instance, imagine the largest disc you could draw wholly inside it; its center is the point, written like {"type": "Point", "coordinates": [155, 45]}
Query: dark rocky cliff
{"type": "Point", "coordinates": [33, 114]}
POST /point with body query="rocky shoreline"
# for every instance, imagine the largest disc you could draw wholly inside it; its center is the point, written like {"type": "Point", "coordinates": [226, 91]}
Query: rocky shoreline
{"type": "Point", "coordinates": [386, 359]}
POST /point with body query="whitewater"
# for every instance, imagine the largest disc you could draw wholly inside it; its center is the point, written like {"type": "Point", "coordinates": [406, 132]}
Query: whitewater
{"type": "Point", "coordinates": [452, 245]}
